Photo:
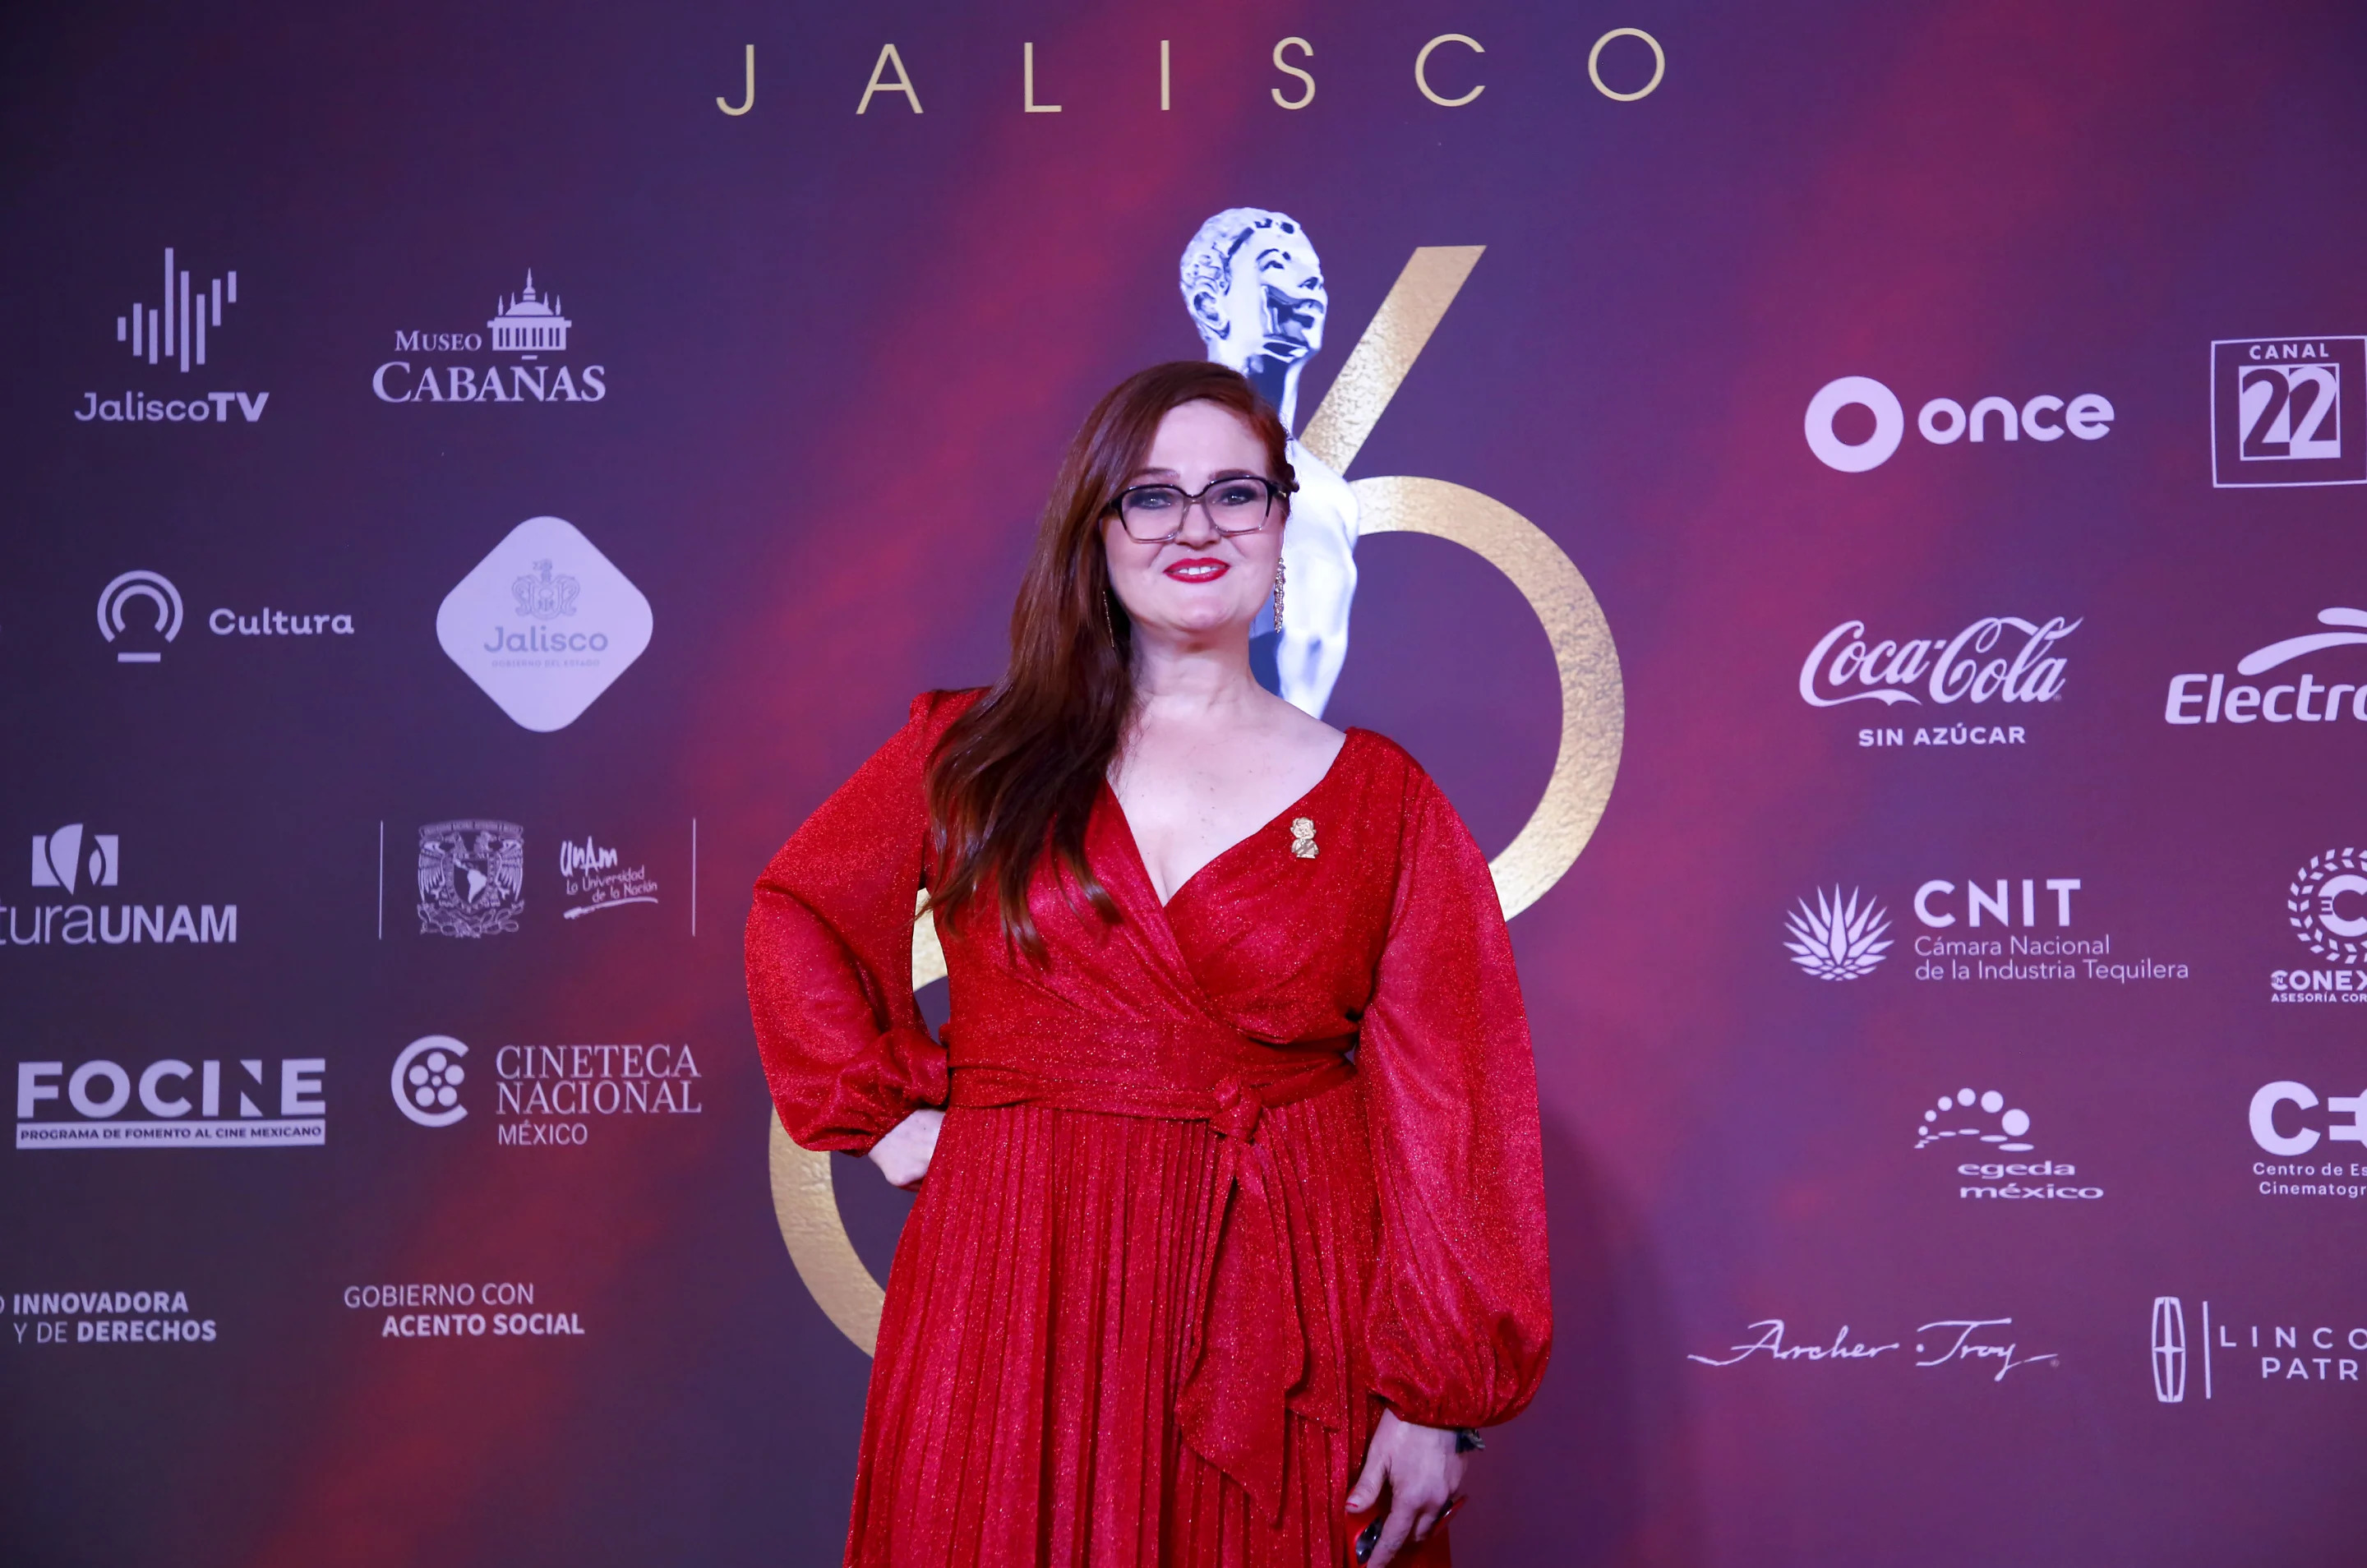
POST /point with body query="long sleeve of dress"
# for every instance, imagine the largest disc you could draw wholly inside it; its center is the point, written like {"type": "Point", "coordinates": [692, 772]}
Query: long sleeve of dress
{"type": "Point", "coordinates": [1461, 1317]}
{"type": "Point", "coordinates": [830, 954]}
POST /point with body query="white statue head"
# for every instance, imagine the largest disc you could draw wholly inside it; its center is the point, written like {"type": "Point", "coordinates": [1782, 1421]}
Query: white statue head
{"type": "Point", "coordinates": [1254, 288]}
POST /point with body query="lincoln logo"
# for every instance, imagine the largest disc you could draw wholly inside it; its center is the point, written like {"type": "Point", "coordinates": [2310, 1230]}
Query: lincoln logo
{"type": "Point", "coordinates": [2169, 1349]}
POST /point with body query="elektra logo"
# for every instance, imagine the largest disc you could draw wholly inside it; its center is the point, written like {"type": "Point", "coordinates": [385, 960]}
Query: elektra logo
{"type": "Point", "coordinates": [548, 1096]}
{"type": "Point", "coordinates": [471, 878]}
{"type": "Point", "coordinates": [1992, 935]}
{"type": "Point", "coordinates": [1998, 658]}
{"type": "Point", "coordinates": [65, 860]}
{"type": "Point", "coordinates": [142, 609]}
{"type": "Point", "coordinates": [97, 1093]}
{"type": "Point", "coordinates": [1963, 1123]}
{"type": "Point", "coordinates": [2290, 1177]}
{"type": "Point", "coordinates": [2295, 1350]}
{"type": "Point", "coordinates": [2287, 412]}
{"type": "Point", "coordinates": [545, 624]}
{"type": "Point", "coordinates": [1838, 938]}
{"type": "Point", "coordinates": [1943, 422]}
{"type": "Point", "coordinates": [527, 324]}
{"type": "Point", "coordinates": [591, 873]}
{"type": "Point", "coordinates": [173, 334]}
{"type": "Point", "coordinates": [2217, 700]}
{"type": "Point", "coordinates": [2326, 905]}
{"type": "Point", "coordinates": [426, 1081]}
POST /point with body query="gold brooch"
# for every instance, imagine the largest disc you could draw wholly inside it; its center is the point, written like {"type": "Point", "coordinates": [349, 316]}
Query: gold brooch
{"type": "Point", "coordinates": [1302, 836]}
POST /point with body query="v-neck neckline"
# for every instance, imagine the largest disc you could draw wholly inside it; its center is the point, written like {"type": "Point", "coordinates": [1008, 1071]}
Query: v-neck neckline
{"type": "Point", "coordinates": [1143, 865]}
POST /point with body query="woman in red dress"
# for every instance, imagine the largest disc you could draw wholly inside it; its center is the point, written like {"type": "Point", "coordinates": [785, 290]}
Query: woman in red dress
{"type": "Point", "coordinates": [1233, 1226]}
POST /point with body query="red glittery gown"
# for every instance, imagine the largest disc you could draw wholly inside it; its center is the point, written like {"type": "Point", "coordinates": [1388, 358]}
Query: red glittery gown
{"type": "Point", "coordinates": [1212, 1186]}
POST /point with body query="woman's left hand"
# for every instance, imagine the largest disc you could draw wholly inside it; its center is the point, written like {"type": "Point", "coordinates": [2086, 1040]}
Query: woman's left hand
{"type": "Point", "coordinates": [1423, 1474]}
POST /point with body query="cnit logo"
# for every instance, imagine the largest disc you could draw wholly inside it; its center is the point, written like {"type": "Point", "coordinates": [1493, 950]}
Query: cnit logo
{"type": "Point", "coordinates": [2317, 1350]}
{"type": "Point", "coordinates": [1943, 422]}
{"type": "Point", "coordinates": [2288, 412]}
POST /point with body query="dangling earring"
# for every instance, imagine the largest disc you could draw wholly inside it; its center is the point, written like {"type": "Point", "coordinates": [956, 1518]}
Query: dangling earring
{"type": "Point", "coordinates": [1279, 576]}
{"type": "Point", "coordinates": [1109, 631]}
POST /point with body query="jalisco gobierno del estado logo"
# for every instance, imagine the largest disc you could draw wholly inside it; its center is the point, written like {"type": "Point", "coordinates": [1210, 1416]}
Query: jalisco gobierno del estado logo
{"type": "Point", "coordinates": [173, 334]}
{"type": "Point", "coordinates": [1256, 295]}
{"type": "Point", "coordinates": [1994, 660]}
{"type": "Point", "coordinates": [1941, 421]}
{"type": "Point", "coordinates": [69, 862]}
{"type": "Point", "coordinates": [2288, 410]}
{"type": "Point", "coordinates": [544, 624]}
{"type": "Point", "coordinates": [516, 356]}
{"type": "Point", "coordinates": [2199, 697]}
{"type": "Point", "coordinates": [2325, 906]}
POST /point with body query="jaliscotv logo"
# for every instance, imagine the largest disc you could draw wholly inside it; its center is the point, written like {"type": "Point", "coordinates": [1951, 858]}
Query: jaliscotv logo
{"type": "Point", "coordinates": [1857, 423]}
{"type": "Point", "coordinates": [2225, 1351]}
{"type": "Point", "coordinates": [545, 624]}
{"type": "Point", "coordinates": [1998, 929]}
{"type": "Point", "coordinates": [471, 878]}
{"type": "Point", "coordinates": [176, 334]}
{"type": "Point", "coordinates": [2325, 906]}
{"type": "Point", "coordinates": [546, 1096]}
{"type": "Point", "coordinates": [2212, 698]}
{"type": "Point", "coordinates": [1991, 1139]}
{"type": "Point", "coordinates": [1954, 685]}
{"type": "Point", "coordinates": [2288, 412]}
{"type": "Point", "coordinates": [139, 615]}
{"type": "Point", "coordinates": [251, 1103]}
{"type": "Point", "coordinates": [69, 861]}
{"type": "Point", "coordinates": [516, 356]}
{"type": "Point", "coordinates": [2286, 1121]}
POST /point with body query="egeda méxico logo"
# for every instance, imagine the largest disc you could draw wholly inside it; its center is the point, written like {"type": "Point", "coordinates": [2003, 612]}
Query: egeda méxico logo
{"type": "Point", "coordinates": [175, 334]}
{"type": "Point", "coordinates": [1979, 1131]}
{"type": "Point", "coordinates": [516, 356]}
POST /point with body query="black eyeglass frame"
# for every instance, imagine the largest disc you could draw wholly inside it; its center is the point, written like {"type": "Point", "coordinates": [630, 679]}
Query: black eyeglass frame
{"type": "Point", "coordinates": [1274, 491]}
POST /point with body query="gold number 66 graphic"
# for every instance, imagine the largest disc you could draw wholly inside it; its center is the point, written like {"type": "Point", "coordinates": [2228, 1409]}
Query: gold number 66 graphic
{"type": "Point", "coordinates": [1593, 713]}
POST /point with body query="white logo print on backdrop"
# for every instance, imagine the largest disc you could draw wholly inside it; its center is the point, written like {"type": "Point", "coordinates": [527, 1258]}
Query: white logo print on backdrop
{"type": "Point", "coordinates": [2326, 905]}
{"type": "Point", "coordinates": [173, 334]}
{"type": "Point", "coordinates": [76, 862]}
{"type": "Point", "coordinates": [426, 1081]}
{"type": "Point", "coordinates": [528, 324]}
{"type": "Point", "coordinates": [57, 858]}
{"type": "Point", "coordinates": [1977, 1130]}
{"type": "Point", "coordinates": [122, 614]}
{"type": "Point", "coordinates": [1996, 659]}
{"type": "Point", "coordinates": [1941, 421]}
{"type": "Point", "coordinates": [2282, 415]}
{"type": "Point", "coordinates": [2209, 699]}
{"type": "Point", "coordinates": [544, 624]}
{"type": "Point", "coordinates": [471, 878]}
{"type": "Point", "coordinates": [1837, 938]}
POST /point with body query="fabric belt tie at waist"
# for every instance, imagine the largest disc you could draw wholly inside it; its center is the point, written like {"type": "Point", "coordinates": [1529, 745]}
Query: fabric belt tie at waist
{"type": "Point", "coordinates": [1246, 1377]}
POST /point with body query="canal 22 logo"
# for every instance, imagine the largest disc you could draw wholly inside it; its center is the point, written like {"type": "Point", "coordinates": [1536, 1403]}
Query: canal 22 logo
{"type": "Point", "coordinates": [2288, 412]}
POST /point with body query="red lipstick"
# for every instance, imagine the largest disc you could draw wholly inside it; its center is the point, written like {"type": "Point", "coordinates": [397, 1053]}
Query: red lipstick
{"type": "Point", "coordinates": [1198, 568]}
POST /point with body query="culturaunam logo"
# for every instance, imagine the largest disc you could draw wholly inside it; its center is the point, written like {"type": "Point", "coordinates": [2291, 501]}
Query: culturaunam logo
{"type": "Point", "coordinates": [1837, 938]}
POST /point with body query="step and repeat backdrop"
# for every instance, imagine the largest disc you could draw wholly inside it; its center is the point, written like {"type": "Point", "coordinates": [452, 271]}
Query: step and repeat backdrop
{"type": "Point", "coordinates": [1860, 505]}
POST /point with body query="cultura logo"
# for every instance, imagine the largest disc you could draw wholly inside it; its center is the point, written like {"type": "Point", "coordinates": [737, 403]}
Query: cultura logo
{"type": "Point", "coordinates": [2287, 412]}
{"type": "Point", "coordinates": [173, 334]}
{"type": "Point", "coordinates": [1838, 938]}
{"type": "Point", "coordinates": [57, 858]}
{"type": "Point", "coordinates": [115, 617]}
{"type": "Point", "coordinates": [1941, 421]}
{"type": "Point", "coordinates": [2217, 701]}
{"type": "Point", "coordinates": [527, 324]}
{"type": "Point", "coordinates": [426, 1081]}
{"type": "Point", "coordinates": [471, 878]}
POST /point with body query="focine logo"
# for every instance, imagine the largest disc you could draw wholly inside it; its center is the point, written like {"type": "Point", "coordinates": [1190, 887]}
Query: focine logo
{"type": "Point", "coordinates": [181, 1104]}
{"type": "Point", "coordinates": [1837, 938]}
{"type": "Point", "coordinates": [1943, 422]}
{"type": "Point", "coordinates": [2287, 412]}
{"type": "Point", "coordinates": [173, 334]}
{"type": "Point", "coordinates": [58, 862]}
{"type": "Point", "coordinates": [2211, 699]}
{"type": "Point", "coordinates": [117, 615]}
{"type": "Point", "coordinates": [437, 367]}
{"type": "Point", "coordinates": [545, 624]}
{"type": "Point", "coordinates": [426, 1081]}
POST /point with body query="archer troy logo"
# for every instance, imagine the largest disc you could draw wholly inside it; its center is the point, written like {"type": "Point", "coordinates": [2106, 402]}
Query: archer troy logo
{"type": "Point", "coordinates": [2288, 412]}
{"type": "Point", "coordinates": [1837, 938]}
{"type": "Point", "coordinates": [471, 878]}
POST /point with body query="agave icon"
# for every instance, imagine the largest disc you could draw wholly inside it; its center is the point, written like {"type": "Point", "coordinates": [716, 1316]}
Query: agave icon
{"type": "Point", "coordinates": [1838, 940]}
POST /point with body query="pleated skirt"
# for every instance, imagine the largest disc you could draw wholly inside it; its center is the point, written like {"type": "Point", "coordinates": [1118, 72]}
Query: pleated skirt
{"type": "Point", "coordinates": [1040, 1311]}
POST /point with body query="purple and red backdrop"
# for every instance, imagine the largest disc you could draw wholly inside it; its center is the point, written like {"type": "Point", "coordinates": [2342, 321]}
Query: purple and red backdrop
{"type": "Point", "coordinates": [1951, 1111]}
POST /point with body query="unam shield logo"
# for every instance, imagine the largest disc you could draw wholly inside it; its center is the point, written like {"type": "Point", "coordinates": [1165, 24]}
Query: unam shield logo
{"type": "Point", "coordinates": [471, 878]}
{"type": "Point", "coordinates": [426, 1081]}
{"type": "Point", "coordinates": [2316, 905]}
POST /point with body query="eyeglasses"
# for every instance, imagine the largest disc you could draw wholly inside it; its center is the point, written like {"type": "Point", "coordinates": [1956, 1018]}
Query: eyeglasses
{"type": "Point", "coordinates": [1154, 515]}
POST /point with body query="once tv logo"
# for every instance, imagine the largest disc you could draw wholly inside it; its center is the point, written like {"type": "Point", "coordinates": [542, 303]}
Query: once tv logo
{"type": "Point", "coordinates": [58, 862]}
{"type": "Point", "coordinates": [1943, 421]}
{"type": "Point", "coordinates": [118, 595]}
{"type": "Point", "coordinates": [2288, 412]}
{"type": "Point", "coordinates": [1839, 939]}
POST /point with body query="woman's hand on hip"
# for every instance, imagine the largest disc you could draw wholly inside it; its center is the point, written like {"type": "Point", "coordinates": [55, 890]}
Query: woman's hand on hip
{"type": "Point", "coordinates": [1423, 1474]}
{"type": "Point", "coordinates": [904, 1153]}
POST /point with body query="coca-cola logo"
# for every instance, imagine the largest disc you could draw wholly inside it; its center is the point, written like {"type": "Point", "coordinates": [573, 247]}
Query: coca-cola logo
{"type": "Point", "coordinates": [1996, 659]}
